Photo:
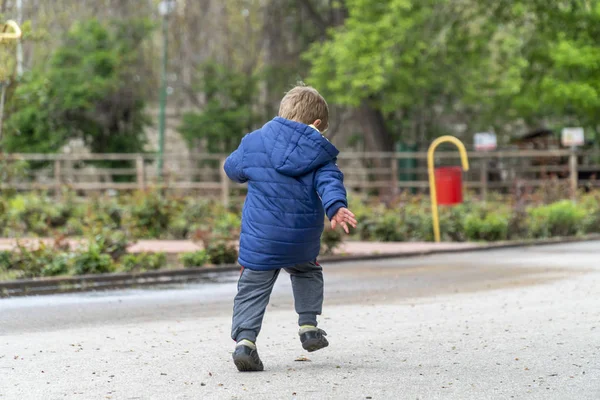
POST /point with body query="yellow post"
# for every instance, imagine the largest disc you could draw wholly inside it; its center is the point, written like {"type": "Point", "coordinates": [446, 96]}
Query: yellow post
{"type": "Point", "coordinates": [15, 34]}
{"type": "Point", "coordinates": [432, 188]}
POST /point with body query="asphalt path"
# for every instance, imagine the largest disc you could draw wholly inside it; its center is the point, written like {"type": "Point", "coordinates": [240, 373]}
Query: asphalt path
{"type": "Point", "coordinates": [514, 323]}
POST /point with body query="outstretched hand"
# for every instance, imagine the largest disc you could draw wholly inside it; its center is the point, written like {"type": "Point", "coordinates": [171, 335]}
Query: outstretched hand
{"type": "Point", "coordinates": [343, 217]}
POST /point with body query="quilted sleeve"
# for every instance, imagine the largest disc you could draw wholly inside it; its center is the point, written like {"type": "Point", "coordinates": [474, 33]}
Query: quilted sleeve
{"type": "Point", "coordinates": [234, 165]}
{"type": "Point", "coordinates": [329, 183]}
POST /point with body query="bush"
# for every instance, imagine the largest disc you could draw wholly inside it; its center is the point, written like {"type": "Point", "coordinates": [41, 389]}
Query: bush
{"type": "Point", "coordinates": [518, 224]}
{"type": "Point", "coordinates": [227, 225]}
{"type": "Point", "coordinates": [188, 215]}
{"type": "Point", "coordinates": [38, 214]}
{"type": "Point", "coordinates": [180, 228]}
{"type": "Point", "coordinates": [105, 212]}
{"type": "Point", "coordinates": [113, 243]}
{"type": "Point", "coordinates": [366, 227]}
{"type": "Point", "coordinates": [452, 223]}
{"type": "Point", "coordinates": [559, 219]}
{"type": "Point", "coordinates": [4, 215]}
{"type": "Point", "coordinates": [204, 216]}
{"type": "Point", "coordinates": [405, 223]}
{"type": "Point", "coordinates": [388, 227]}
{"type": "Point", "coordinates": [93, 261]}
{"type": "Point", "coordinates": [60, 265]}
{"type": "Point", "coordinates": [143, 262]}
{"type": "Point", "coordinates": [358, 207]}
{"type": "Point", "coordinates": [111, 223]}
{"type": "Point", "coordinates": [590, 203]}
{"type": "Point", "coordinates": [154, 261]}
{"type": "Point", "coordinates": [6, 260]}
{"type": "Point", "coordinates": [418, 223]}
{"type": "Point", "coordinates": [31, 262]}
{"type": "Point", "coordinates": [149, 214]}
{"type": "Point", "coordinates": [491, 227]}
{"type": "Point", "coordinates": [331, 239]}
{"type": "Point", "coordinates": [195, 259]}
{"type": "Point", "coordinates": [221, 251]}
{"type": "Point", "coordinates": [75, 226]}
{"type": "Point", "coordinates": [366, 216]}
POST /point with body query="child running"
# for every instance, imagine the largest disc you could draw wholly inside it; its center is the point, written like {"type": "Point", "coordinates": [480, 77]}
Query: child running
{"type": "Point", "coordinates": [293, 182]}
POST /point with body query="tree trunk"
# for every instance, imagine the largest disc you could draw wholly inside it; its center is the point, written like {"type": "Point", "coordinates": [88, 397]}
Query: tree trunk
{"type": "Point", "coordinates": [377, 137]}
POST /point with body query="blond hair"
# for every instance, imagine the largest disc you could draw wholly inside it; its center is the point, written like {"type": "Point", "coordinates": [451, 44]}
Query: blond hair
{"type": "Point", "coordinates": [305, 104]}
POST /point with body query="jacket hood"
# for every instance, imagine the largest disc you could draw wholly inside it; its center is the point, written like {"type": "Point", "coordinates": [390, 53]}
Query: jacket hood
{"type": "Point", "coordinates": [294, 148]}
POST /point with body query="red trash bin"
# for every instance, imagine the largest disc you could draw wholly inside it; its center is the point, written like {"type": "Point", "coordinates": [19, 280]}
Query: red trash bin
{"type": "Point", "coordinates": [448, 184]}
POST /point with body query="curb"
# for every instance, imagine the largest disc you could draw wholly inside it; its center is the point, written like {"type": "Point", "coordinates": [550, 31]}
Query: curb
{"type": "Point", "coordinates": [85, 283]}
{"type": "Point", "coordinates": [483, 247]}
{"type": "Point", "coordinates": [45, 286]}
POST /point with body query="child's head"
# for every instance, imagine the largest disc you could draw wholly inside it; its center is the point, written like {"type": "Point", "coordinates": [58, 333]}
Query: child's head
{"type": "Point", "coordinates": [304, 104]}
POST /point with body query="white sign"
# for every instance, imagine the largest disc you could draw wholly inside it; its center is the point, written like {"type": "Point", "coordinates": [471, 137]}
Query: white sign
{"type": "Point", "coordinates": [572, 137]}
{"type": "Point", "coordinates": [485, 141]}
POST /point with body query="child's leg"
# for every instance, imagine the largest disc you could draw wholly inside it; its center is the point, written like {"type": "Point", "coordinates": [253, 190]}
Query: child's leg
{"type": "Point", "coordinates": [307, 284]}
{"type": "Point", "coordinates": [254, 290]}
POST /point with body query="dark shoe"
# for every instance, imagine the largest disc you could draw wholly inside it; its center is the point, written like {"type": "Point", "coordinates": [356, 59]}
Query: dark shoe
{"type": "Point", "coordinates": [246, 359]}
{"type": "Point", "coordinates": [313, 339]}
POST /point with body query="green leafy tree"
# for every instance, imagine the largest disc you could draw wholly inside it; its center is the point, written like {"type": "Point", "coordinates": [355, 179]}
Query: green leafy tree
{"type": "Point", "coordinates": [89, 89]}
{"type": "Point", "coordinates": [412, 66]}
{"type": "Point", "coordinates": [8, 62]}
{"type": "Point", "coordinates": [561, 53]}
{"type": "Point", "coordinates": [229, 110]}
{"type": "Point", "coordinates": [407, 64]}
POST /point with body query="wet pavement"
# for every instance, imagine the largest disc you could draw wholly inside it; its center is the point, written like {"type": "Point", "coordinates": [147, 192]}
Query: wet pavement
{"type": "Point", "coordinates": [520, 323]}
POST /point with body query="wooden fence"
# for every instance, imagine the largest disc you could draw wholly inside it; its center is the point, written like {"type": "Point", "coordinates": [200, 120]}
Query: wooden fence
{"type": "Point", "coordinates": [364, 172]}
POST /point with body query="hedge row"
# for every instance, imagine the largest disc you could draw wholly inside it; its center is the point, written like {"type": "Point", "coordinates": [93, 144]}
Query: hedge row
{"type": "Point", "coordinates": [150, 215]}
{"type": "Point", "coordinates": [111, 224]}
{"type": "Point", "coordinates": [105, 251]}
{"type": "Point", "coordinates": [142, 215]}
{"type": "Point", "coordinates": [475, 221]}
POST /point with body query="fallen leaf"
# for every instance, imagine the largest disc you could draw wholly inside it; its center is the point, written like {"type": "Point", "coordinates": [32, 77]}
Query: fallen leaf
{"type": "Point", "coordinates": [302, 358]}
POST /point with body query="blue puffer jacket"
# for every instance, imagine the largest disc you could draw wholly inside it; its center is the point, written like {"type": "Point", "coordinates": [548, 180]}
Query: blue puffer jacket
{"type": "Point", "coordinates": [293, 181]}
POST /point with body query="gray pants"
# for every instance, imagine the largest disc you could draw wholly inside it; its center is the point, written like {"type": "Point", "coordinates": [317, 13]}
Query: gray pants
{"type": "Point", "coordinates": [254, 290]}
